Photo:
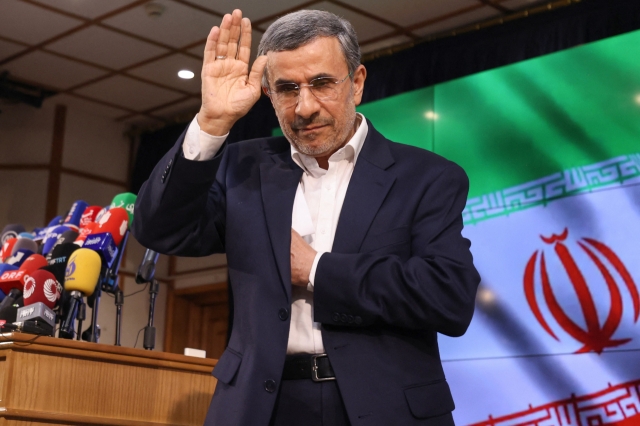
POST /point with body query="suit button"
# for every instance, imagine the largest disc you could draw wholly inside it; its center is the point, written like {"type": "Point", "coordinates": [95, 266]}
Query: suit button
{"type": "Point", "coordinates": [270, 386]}
{"type": "Point", "coordinates": [357, 320]}
{"type": "Point", "coordinates": [350, 319]}
{"type": "Point", "coordinates": [283, 314]}
{"type": "Point", "coordinates": [336, 317]}
{"type": "Point", "coordinates": [343, 318]}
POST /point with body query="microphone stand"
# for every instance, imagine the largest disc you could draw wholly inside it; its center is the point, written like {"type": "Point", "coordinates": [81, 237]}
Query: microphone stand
{"type": "Point", "coordinates": [149, 342]}
{"type": "Point", "coordinates": [94, 314]}
{"type": "Point", "coordinates": [119, 302]}
{"type": "Point", "coordinates": [146, 273]}
{"type": "Point", "coordinates": [82, 315]}
{"type": "Point", "coordinates": [108, 282]}
{"type": "Point", "coordinates": [110, 285]}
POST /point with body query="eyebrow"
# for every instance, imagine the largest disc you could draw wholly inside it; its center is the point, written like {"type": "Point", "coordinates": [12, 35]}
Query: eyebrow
{"type": "Point", "coordinates": [320, 75]}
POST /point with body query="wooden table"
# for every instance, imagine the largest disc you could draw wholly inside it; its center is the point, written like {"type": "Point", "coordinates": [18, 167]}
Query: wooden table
{"type": "Point", "coordinates": [49, 381]}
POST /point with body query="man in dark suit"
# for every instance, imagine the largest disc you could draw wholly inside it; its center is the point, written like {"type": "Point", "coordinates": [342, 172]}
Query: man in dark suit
{"type": "Point", "coordinates": [344, 249]}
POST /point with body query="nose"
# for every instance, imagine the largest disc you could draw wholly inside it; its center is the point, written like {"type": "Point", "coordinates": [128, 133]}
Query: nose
{"type": "Point", "coordinates": [307, 103]}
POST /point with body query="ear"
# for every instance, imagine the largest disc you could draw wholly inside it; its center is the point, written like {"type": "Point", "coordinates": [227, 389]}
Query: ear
{"type": "Point", "coordinates": [265, 90]}
{"type": "Point", "coordinates": [359, 76]}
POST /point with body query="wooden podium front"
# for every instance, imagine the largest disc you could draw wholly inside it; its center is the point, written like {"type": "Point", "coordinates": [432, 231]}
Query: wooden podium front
{"type": "Point", "coordinates": [48, 381]}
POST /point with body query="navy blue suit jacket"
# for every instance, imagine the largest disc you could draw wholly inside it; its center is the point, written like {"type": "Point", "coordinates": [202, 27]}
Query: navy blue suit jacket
{"type": "Point", "coordinates": [399, 272]}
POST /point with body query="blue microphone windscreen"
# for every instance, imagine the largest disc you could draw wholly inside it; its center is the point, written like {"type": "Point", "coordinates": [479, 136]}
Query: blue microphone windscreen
{"type": "Point", "coordinates": [55, 221]}
{"type": "Point", "coordinates": [18, 257]}
{"type": "Point", "coordinates": [75, 213]}
{"type": "Point", "coordinates": [52, 237]}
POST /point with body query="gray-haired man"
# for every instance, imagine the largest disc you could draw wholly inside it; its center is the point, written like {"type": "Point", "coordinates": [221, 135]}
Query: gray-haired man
{"type": "Point", "coordinates": [344, 249]}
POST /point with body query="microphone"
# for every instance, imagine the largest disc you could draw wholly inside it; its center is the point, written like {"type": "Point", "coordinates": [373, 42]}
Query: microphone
{"type": "Point", "coordinates": [10, 304]}
{"type": "Point", "coordinates": [82, 274]}
{"type": "Point", "coordinates": [12, 284]}
{"type": "Point", "coordinates": [127, 201]}
{"type": "Point", "coordinates": [10, 277]}
{"type": "Point", "coordinates": [89, 215]}
{"type": "Point", "coordinates": [101, 213]}
{"type": "Point", "coordinates": [66, 237]}
{"type": "Point", "coordinates": [11, 231]}
{"type": "Point", "coordinates": [55, 222]}
{"type": "Point", "coordinates": [106, 238]}
{"type": "Point", "coordinates": [57, 264]}
{"type": "Point", "coordinates": [24, 244]}
{"type": "Point", "coordinates": [7, 248]}
{"type": "Point", "coordinates": [75, 214]}
{"type": "Point", "coordinates": [40, 294]}
{"type": "Point", "coordinates": [147, 268]}
{"type": "Point", "coordinates": [41, 287]}
{"type": "Point", "coordinates": [18, 257]}
{"type": "Point", "coordinates": [84, 232]}
{"type": "Point", "coordinates": [23, 248]}
{"type": "Point", "coordinates": [115, 222]}
{"type": "Point", "coordinates": [33, 262]}
{"type": "Point", "coordinates": [41, 233]}
{"type": "Point", "coordinates": [51, 237]}
{"type": "Point", "coordinates": [13, 278]}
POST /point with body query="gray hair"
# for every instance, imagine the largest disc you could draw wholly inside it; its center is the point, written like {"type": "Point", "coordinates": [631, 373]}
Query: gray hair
{"type": "Point", "coordinates": [304, 26]}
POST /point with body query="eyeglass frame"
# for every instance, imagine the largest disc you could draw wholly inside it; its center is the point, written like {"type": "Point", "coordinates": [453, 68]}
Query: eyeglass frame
{"type": "Point", "coordinates": [268, 92]}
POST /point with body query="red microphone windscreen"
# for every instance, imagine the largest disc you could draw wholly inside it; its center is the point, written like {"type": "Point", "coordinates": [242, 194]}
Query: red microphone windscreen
{"type": "Point", "coordinates": [115, 222]}
{"type": "Point", "coordinates": [7, 248]}
{"type": "Point", "coordinates": [84, 232]}
{"type": "Point", "coordinates": [41, 286]}
{"type": "Point", "coordinates": [89, 215]}
{"type": "Point", "coordinates": [33, 262]}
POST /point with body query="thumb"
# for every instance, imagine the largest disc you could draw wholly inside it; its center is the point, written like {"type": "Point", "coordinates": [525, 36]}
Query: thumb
{"type": "Point", "coordinates": [255, 76]}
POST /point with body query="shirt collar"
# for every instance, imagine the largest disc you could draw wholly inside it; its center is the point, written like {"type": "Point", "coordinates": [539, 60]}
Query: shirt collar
{"type": "Point", "coordinates": [348, 152]}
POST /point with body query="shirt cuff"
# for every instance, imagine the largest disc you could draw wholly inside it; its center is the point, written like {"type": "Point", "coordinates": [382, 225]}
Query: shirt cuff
{"type": "Point", "coordinates": [312, 273]}
{"type": "Point", "coordinates": [200, 146]}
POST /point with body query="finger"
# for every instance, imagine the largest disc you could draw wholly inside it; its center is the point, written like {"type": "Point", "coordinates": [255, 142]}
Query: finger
{"type": "Point", "coordinates": [244, 53]}
{"type": "Point", "coordinates": [223, 39]}
{"type": "Point", "coordinates": [234, 33]}
{"type": "Point", "coordinates": [210, 47]}
{"type": "Point", "coordinates": [255, 76]}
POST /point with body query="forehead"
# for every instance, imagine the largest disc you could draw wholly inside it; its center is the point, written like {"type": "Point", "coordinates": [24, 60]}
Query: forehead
{"type": "Point", "coordinates": [321, 56]}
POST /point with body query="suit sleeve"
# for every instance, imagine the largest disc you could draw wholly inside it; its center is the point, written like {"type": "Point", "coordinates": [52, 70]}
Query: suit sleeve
{"type": "Point", "coordinates": [180, 209]}
{"type": "Point", "coordinates": [433, 289]}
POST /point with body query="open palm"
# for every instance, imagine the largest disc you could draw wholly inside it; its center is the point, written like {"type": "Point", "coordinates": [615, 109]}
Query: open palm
{"type": "Point", "coordinates": [228, 89]}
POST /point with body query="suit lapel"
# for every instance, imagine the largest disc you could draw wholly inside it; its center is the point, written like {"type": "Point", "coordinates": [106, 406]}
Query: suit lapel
{"type": "Point", "coordinates": [368, 187]}
{"type": "Point", "coordinates": [278, 185]}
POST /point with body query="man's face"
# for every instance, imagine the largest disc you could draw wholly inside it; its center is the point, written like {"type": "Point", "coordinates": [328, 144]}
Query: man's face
{"type": "Point", "coordinates": [316, 127]}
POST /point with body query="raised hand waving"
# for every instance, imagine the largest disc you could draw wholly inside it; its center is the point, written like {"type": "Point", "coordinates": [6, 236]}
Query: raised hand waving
{"type": "Point", "coordinates": [229, 90]}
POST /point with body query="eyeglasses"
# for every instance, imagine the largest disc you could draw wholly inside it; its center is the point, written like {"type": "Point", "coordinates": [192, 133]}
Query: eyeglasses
{"type": "Point", "coordinates": [323, 88]}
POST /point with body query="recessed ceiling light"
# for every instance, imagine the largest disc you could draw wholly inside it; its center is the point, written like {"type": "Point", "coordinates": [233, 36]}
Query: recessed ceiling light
{"type": "Point", "coordinates": [431, 115]}
{"type": "Point", "coordinates": [186, 74]}
{"type": "Point", "coordinates": [638, 99]}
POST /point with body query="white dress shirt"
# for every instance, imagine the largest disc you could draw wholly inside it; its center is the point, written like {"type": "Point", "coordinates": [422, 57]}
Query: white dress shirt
{"type": "Point", "coordinates": [316, 209]}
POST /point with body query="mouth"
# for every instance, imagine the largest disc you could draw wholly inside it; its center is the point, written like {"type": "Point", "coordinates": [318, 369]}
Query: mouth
{"type": "Point", "coordinates": [310, 129]}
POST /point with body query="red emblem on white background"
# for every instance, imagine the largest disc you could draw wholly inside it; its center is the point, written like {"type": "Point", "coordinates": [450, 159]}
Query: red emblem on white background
{"type": "Point", "coordinates": [595, 336]}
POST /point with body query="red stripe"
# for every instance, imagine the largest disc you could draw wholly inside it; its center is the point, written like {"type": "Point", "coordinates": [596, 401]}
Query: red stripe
{"type": "Point", "coordinates": [582, 290]}
{"type": "Point", "coordinates": [563, 320]}
{"type": "Point", "coordinates": [626, 276]}
{"type": "Point", "coordinates": [529, 292]}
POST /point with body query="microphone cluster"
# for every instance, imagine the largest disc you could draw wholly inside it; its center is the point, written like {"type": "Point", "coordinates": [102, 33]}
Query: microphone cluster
{"type": "Point", "coordinates": [46, 274]}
